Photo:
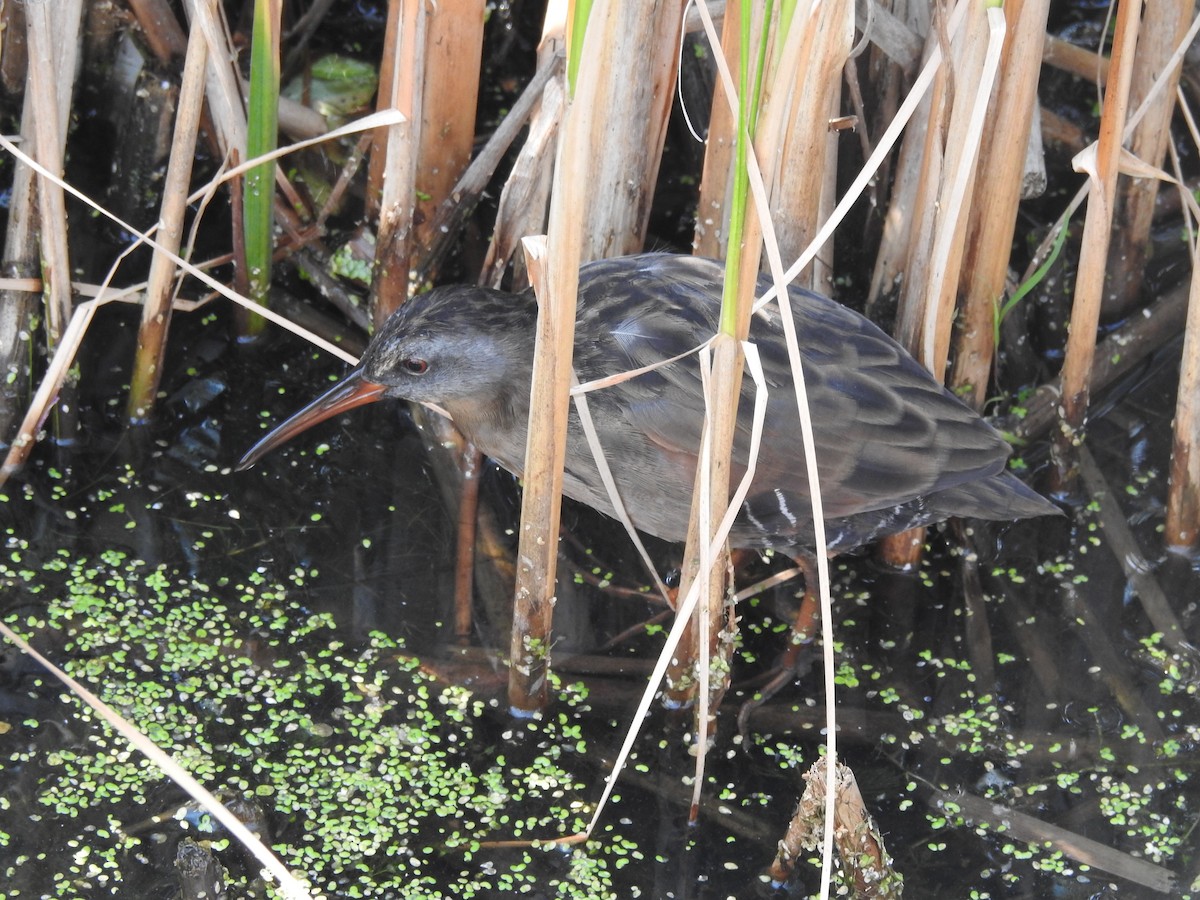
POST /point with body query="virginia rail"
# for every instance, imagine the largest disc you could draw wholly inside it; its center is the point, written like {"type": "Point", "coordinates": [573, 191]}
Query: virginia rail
{"type": "Point", "coordinates": [895, 449]}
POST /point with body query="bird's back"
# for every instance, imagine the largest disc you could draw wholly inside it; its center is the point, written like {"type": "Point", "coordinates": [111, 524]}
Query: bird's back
{"type": "Point", "coordinates": [894, 448]}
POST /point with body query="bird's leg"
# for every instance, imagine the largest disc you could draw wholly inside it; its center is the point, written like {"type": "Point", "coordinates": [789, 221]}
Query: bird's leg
{"type": "Point", "coordinates": [903, 551]}
{"type": "Point", "coordinates": [804, 629]}
{"type": "Point", "coordinates": [464, 571]}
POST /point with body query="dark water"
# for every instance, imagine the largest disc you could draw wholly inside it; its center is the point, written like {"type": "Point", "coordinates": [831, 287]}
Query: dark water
{"type": "Point", "coordinates": [287, 632]}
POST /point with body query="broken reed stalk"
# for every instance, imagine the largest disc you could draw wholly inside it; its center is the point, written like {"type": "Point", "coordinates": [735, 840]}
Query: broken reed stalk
{"type": "Point", "coordinates": [1089, 283]}
{"type": "Point", "coordinates": [525, 196]}
{"type": "Point", "coordinates": [858, 839]}
{"type": "Point", "coordinates": [1163, 27]}
{"type": "Point", "coordinates": [156, 312]}
{"type": "Point", "coordinates": [557, 287]}
{"type": "Point", "coordinates": [993, 217]}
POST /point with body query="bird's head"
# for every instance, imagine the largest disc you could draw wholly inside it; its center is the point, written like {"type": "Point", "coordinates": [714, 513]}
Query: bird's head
{"type": "Point", "coordinates": [467, 351]}
{"type": "Point", "coordinates": [453, 345]}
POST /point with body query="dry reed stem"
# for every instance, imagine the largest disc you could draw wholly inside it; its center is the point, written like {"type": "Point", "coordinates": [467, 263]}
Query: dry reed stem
{"type": "Point", "coordinates": [711, 209]}
{"type": "Point", "coordinates": [803, 192]}
{"type": "Point", "coordinates": [156, 313]}
{"type": "Point", "coordinates": [1101, 167]}
{"type": "Point", "coordinates": [454, 38]}
{"type": "Point", "coordinates": [160, 28]}
{"type": "Point", "coordinates": [525, 197]}
{"type": "Point", "coordinates": [556, 285]}
{"type": "Point", "coordinates": [975, 69]}
{"type": "Point", "coordinates": [222, 91]}
{"type": "Point", "coordinates": [1183, 493]}
{"type": "Point", "coordinates": [993, 218]}
{"type": "Point", "coordinates": [606, 180]}
{"type": "Point", "coordinates": [624, 164]}
{"type": "Point", "coordinates": [18, 306]}
{"type": "Point", "coordinates": [1163, 27]}
{"type": "Point", "coordinates": [396, 150]}
{"type": "Point", "coordinates": [51, 30]}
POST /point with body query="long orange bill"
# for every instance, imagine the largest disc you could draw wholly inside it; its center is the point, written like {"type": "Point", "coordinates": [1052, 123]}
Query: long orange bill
{"type": "Point", "coordinates": [353, 390]}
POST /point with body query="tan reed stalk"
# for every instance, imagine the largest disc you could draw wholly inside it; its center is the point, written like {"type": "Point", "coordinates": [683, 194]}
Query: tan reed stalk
{"type": "Point", "coordinates": [1163, 27]}
{"type": "Point", "coordinates": [604, 177]}
{"type": "Point", "coordinates": [156, 312]}
{"type": "Point", "coordinates": [712, 210]}
{"type": "Point", "coordinates": [222, 92]}
{"type": "Point", "coordinates": [1087, 64]}
{"type": "Point", "coordinates": [1089, 284]}
{"type": "Point", "coordinates": [49, 30]}
{"type": "Point", "coordinates": [1183, 494]}
{"type": "Point", "coordinates": [450, 88]}
{"type": "Point", "coordinates": [994, 212]}
{"type": "Point", "coordinates": [19, 308]}
{"type": "Point", "coordinates": [806, 165]}
{"type": "Point", "coordinates": [394, 152]}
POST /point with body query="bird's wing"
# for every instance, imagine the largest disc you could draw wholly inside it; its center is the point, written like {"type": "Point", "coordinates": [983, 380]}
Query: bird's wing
{"type": "Point", "coordinates": [885, 431]}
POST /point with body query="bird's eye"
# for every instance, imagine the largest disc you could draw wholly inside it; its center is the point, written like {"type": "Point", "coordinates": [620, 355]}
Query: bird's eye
{"type": "Point", "coordinates": [414, 366]}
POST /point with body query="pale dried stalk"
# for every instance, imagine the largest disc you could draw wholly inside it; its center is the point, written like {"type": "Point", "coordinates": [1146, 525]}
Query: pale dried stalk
{"type": "Point", "coordinates": [223, 89]}
{"type": "Point", "coordinates": [801, 197]}
{"type": "Point", "coordinates": [624, 165]}
{"type": "Point", "coordinates": [397, 147]}
{"type": "Point", "coordinates": [974, 73]}
{"type": "Point", "coordinates": [156, 313]}
{"type": "Point", "coordinates": [605, 180]}
{"type": "Point", "coordinates": [711, 210]}
{"type": "Point", "coordinates": [1163, 28]}
{"type": "Point", "coordinates": [1089, 285]}
{"type": "Point", "coordinates": [994, 210]}
{"type": "Point", "coordinates": [51, 30]}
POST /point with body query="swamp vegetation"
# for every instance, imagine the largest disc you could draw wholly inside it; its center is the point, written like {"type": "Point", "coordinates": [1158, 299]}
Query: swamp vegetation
{"type": "Point", "coordinates": [1019, 707]}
